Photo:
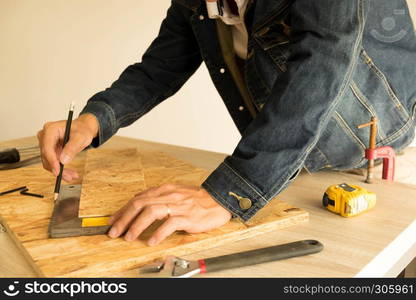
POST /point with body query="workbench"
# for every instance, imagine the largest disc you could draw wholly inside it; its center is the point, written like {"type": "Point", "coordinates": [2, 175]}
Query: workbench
{"type": "Point", "coordinates": [380, 243]}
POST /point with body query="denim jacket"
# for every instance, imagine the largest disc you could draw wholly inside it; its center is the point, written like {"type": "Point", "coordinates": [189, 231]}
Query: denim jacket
{"type": "Point", "coordinates": [315, 70]}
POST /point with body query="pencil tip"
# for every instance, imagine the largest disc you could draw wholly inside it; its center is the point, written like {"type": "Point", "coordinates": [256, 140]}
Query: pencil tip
{"type": "Point", "coordinates": [55, 196]}
{"type": "Point", "coordinates": [72, 106]}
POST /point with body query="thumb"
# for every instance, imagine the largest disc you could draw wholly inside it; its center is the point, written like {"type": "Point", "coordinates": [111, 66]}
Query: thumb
{"type": "Point", "coordinates": [75, 145]}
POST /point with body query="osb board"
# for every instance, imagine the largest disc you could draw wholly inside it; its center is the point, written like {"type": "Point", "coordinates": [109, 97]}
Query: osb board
{"type": "Point", "coordinates": [27, 219]}
{"type": "Point", "coordinates": [160, 168]}
{"type": "Point", "coordinates": [111, 178]}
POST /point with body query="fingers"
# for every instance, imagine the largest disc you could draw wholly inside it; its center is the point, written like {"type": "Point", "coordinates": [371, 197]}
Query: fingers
{"type": "Point", "coordinates": [145, 219]}
{"type": "Point", "coordinates": [69, 175]}
{"type": "Point", "coordinates": [125, 216]}
{"type": "Point", "coordinates": [50, 139]}
{"type": "Point", "coordinates": [188, 208]}
{"type": "Point", "coordinates": [117, 215]}
{"type": "Point", "coordinates": [83, 130]}
{"type": "Point", "coordinates": [166, 229]}
{"type": "Point", "coordinates": [155, 195]}
{"type": "Point", "coordinates": [50, 151]}
{"type": "Point", "coordinates": [76, 144]}
{"type": "Point", "coordinates": [152, 192]}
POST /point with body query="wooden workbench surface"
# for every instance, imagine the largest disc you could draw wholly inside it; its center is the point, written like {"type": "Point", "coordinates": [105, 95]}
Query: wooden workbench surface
{"type": "Point", "coordinates": [379, 243]}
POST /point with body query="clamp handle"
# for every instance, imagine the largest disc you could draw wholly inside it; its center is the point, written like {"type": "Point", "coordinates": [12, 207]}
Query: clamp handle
{"type": "Point", "coordinates": [373, 143]}
{"type": "Point", "coordinates": [262, 255]}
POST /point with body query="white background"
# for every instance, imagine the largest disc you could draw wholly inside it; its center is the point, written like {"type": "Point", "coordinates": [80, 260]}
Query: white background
{"type": "Point", "coordinates": [53, 52]}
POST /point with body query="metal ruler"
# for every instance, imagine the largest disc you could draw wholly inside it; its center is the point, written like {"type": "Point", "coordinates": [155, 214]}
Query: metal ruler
{"type": "Point", "coordinates": [65, 221]}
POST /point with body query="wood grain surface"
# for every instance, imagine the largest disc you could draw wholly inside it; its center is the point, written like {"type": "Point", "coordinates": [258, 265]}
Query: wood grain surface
{"type": "Point", "coordinates": [160, 168]}
{"type": "Point", "coordinates": [27, 218]}
{"type": "Point", "coordinates": [111, 178]}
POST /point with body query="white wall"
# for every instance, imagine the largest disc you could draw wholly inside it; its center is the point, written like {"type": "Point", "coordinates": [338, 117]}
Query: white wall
{"type": "Point", "coordinates": [53, 52]}
{"type": "Point", "coordinates": [57, 51]}
{"type": "Point", "coordinates": [412, 6]}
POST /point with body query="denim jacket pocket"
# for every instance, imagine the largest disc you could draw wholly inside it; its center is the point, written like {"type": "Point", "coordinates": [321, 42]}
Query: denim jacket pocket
{"type": "Point", "coordinates": [375, 96]}
{"type": "Point", "coordinates": [370, 93]}
{"type": "Point", "coordinates": [273, 38]}
{"type": "Point", "coordinates": [268, 54]}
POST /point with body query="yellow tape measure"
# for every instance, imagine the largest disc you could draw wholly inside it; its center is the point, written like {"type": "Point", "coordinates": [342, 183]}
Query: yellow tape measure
{"type": "Point", "coordinates": [348, 200]}
{"type": "Point", "coordinates": [94, 221]}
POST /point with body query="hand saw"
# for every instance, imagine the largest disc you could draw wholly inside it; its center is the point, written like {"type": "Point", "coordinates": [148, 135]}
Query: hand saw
{"type": "Point", "coordinates": [65, 221]}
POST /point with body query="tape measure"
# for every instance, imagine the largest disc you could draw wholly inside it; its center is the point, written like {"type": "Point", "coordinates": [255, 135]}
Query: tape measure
{"type": "Point", "coordinates": [348, 200]}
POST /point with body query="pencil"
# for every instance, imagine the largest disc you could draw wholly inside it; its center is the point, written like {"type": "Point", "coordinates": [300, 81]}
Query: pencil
{"type": "Point", "coordinates": [66, 138]}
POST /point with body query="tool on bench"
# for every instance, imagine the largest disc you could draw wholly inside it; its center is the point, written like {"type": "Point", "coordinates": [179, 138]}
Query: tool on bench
{"type": "Point", "coordinates": [22, 188]}
{"type": "Point", "coordinates": [26, 193]}
{"type": "Point", "coordinates": [178, 267]}
{"type": "Point", "coordinates": [348, 200]}
{"type": "Point", "coordinates": [65, 221]}
{"type": "Point", "coordinates": [385, 152]}
{"type": "Point", "coordinates": [13, 155]}
{"type": "Point", "coordinates": [12, 158]}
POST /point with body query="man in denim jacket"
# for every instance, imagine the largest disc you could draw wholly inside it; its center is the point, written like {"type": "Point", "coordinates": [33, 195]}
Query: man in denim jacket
{"type": "Point", "coordinates": [297, 77]}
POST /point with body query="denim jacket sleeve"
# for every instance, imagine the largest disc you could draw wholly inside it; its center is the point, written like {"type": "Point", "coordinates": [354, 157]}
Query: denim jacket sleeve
{"type": "Point", "coordinates": [274, 147]}
{"type": "Point", "coordinates": [166, 65]}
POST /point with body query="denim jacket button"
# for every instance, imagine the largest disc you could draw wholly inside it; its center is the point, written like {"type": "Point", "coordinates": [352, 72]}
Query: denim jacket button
{"type": "Point", "coordinates": [241, 108]}
{"type": "Point", "coordinates": [244, 203]}
{"type": "Point", "coordinates": [201, 17]}
{"type": "Point", "coordinates": [222, 70]}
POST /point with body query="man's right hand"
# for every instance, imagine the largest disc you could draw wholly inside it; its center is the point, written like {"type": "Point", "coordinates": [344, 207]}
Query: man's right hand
{"type": "Point", "coordinates": [51, 137]}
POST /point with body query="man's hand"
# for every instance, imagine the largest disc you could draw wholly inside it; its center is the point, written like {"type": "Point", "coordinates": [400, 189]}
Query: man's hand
{"type": "Point", "coordinates": [191, 209]}
{"type": "Point", "coordinates": [83, 130]}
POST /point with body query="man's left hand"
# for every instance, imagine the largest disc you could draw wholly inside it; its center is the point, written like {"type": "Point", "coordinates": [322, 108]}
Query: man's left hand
{"type": "Point", "coordinates": [187, 208]}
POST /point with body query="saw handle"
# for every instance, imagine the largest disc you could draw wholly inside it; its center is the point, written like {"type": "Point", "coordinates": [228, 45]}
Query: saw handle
{"type": "Point", "coordinates": [262, 255]}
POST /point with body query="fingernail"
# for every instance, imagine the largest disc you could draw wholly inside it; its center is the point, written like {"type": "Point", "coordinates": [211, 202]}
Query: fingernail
{"type": "Point", "coordinates": [55, 172]}
{"type": "Point", "coordinates": [128, 237]}
{"type": "Point", "coordinates": [65, 159]}
{"type": "Point", "coordinates": [151, 242]}
{"type": "Point", "coordinates": [113, 233]}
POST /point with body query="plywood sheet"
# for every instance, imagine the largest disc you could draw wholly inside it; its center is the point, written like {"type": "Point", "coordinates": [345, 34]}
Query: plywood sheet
{"type": "Point", "coordinates": [100, 256]}
{"type": "Point", "coordinates": [160, 168]}
{"type": "Point", "coordinates": [112, 177]}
